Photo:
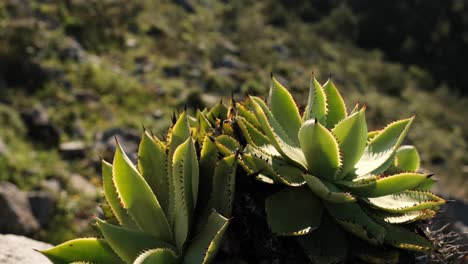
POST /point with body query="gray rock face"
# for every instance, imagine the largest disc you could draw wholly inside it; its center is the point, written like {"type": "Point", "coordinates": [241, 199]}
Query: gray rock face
{"type": "Point", "coordinates": [43, 205]}
{"type": "Point", "coordinates": [79, 183]}
{"type": "Point", "coordinates": [15, 211]}
{"type": "Point", "coordinates": [17, 249]}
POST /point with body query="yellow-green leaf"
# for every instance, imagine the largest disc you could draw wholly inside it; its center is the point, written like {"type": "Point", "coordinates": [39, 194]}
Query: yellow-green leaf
{"type": "Point", "coordinates": [407, 158]}
{"type": "Point", "coordinates": [92, 250]}
{"type": "Point", "coordinates": [110, 192]}
{"type": "Point", "coordinates": [336, 104]}
{"type": "Point", "coordinates": [327, 191]}
{"type": "Point", "coordinates": [177, 135]}
{"type": "Point", "coordinates": [406, 201]}
{"type": "Point", "coordinates": [186, 179]}
{"type": "Point", "coordinates": [320, 149]}
{"type": "Point", "coordinates": [157, 256]}
{"type": "Point", "coordinates": [316, 104]}
{"type": "Point", "coordinates": [152, 163]}
{"type": "Point", "coordinates": [204, 246]}
{"type": "Point", "coordinates": [381, 186]}
{"type": "Point", "coordinates": [128, 243]}
{"type": "Point", "coordinates": [278, 137]}
{"type": "Point", "coordinates": [351, 134]}
{"type": "Point", "coordinates": [379, 153]}
{"type": "Point", "coordinates": [284, 109]}
{"type": "Point", "coordinates": [138, 198]}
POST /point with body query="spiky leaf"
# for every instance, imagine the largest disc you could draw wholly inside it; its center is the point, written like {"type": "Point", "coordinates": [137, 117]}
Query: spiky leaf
{"type": "Point", "coordinates": [152, 163]}
{"type": "Point", "coordinates": [404, 218]}
{"type": "Point", "coordinates": [252, 135]}
{"type": "Point", "coordinates": [110, 192]}
{"type": "Point", "coordinates": [273, 167]}
{"type": "Point", "coordinates": [327, 191]}
{"type": "Point", "coordinates": [208, 159]}
{"type": "Point", "coordinates": [224, 184]}
{"type": "Point", "coordinates": [353, 219]}
{"type": "Point", "coordinates": [406, 201]}
{"type": "Point", "coordinates": [157, 256]}
{"type": "Point", "coordinates": [186, 179]}
{"type": "Point", "coordinates": [138, 198]}
{"type": "Point", "coordinates": [244, 112]}
{"type": "Point", "coordinates": [336, 104]}
{"type": "Point", "coordinates": [284, 110]}
{"type": "Point", "coordinates": [128, 243]}
{"type": "Point", "coordinates": [204, 246]}
{"type": "Point", "coordinates": [227, 145]}
{"type": "Point", "coordinates": [293, 211]}
{"type": "Point", "coordinates": [92, 250]}
{"type": "Point", "coordinates": [316, 104]}
{"type": "Point", "coordinates": [176, 136]}
{"type": "Point", "coordinates": [407, 158]}
{"type": "Point", "coordinates": [381, 186]}
{"type": "Point", "coordinates": [379, 152]}
{"type": "Point", "coordinates": [351, 134]}
{"type": "Point", "coordinates": [278, 137]}
{"type": "Point", "coordinates": [320, 149]}
{"type": "Point", "coordinates": [401, 237]}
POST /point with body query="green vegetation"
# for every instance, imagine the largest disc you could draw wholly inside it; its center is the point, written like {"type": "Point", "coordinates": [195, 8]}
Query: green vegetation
{"type": "Point", "coordinates": [339, 175]}
{"type": "Point", "coordinates": [365, 181]}
{"type": "Point", "coordinates": [155, 204]}
{"type": "Point", "coordinates": [94, 65]}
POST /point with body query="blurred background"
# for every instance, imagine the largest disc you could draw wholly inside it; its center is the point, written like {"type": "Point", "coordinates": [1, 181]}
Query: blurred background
{"type": "Point", "coordinates": [76, 73]}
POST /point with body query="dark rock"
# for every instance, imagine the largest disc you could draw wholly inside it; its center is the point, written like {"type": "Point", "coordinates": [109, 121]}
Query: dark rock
{"type": "Point", "coordinates": [73, 150]}
{"type": "Point", "coordinates": [72, 50]}
{"type": "Point", "coordinates": [15, 211]}
{"type": "Point", "coordinates": [172, 71]}
{"type": "Point", "coordinates": [86, 96]}
{"type": "Point", "coordinates": [43, 205]}
{"type": "Point", "coordinates": [230, 61]}
{"type": "Point", "coordinates": [79, 184]}
{"type": "Point", "coordinates": [105, 143]}
{"type": "Point", "coordinates": [143, 64]}
{"type": "Point", "coordinates": [40, 128]}
{"type": "Point", "coordinates": [18, 249]}
{"type": "Point", "coordinates": [186, 5]}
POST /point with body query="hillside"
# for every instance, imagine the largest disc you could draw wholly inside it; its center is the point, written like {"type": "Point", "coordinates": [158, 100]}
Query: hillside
{"type": "Point", "coordinates": [74, 73]}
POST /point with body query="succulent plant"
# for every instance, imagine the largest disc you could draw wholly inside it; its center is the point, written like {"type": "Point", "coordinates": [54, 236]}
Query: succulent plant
{"type": "Point", "coordinates": [160, 213]}
{"type": "Point", "coordinates": [339, 174]}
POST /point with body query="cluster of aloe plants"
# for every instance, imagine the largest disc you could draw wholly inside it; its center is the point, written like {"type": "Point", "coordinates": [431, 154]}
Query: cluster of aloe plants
{"type": "Point", "coordinates": [338, 177]}
{"type": "Point", "coordinates": [338, 173]}
{"type": "Point", "coordinates": [153, 205]}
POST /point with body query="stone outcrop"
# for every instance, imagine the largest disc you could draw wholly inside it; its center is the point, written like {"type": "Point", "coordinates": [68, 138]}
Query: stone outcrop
{"type": "Point", "coordinates": [17, 249]}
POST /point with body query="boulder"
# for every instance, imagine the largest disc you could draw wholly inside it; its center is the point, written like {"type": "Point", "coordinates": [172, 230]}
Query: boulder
{"type": "Point", "coordinates": [17, 249]}
{"type": "Point", "coordinates": [43, 205]}
{"type": "Point", "coordinates": [15, 211]}
{"type": "Point", "coordinates": [105, 143]}
{"type": "Point", "coordinates": [79, 184]}
{"type": "Point", "coordinates": [40, 128]}
{"type": "Point", "coordinates": [73, 150]}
